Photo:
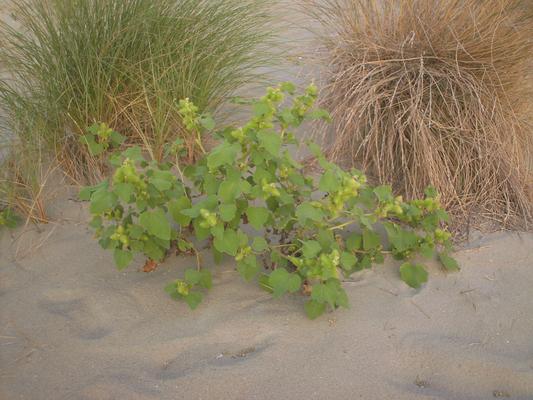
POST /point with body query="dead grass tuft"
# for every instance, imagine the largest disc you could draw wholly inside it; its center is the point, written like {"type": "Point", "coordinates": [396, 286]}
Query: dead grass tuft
{"type": "Point", "coordinates": [434, 93]}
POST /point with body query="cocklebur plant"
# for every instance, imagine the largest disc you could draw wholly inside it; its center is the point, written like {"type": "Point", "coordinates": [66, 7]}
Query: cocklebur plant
{"type": "Point", "coordinates": [101, 138]}
{"type": "Point", "coordinates": [137, 210]}
{"type": "Point", "coordinates": [308, 232]}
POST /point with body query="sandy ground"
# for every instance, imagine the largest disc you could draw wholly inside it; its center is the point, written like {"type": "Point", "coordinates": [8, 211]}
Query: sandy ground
{"type": "Point", "coordinates": [72, 327]}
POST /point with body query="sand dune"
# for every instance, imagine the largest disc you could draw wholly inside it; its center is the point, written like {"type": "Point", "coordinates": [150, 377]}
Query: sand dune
{"type": "Point", "coordinates": [72, 327]}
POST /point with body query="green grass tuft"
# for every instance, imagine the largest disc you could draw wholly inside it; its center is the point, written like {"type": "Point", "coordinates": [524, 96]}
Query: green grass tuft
{"type": "Point", "coordinates": [71, 63]}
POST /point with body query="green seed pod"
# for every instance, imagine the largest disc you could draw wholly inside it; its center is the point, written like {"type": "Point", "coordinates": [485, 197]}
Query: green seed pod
{"type": "Point", "coordinates": [182, 288]}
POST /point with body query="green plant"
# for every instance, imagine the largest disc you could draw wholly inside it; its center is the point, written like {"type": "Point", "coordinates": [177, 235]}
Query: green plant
{"type": "Point", "coordinates": [9, 219]}
{"type": "Point", "coordinates": [310, 231]}
{"type": "Point", "coordinates": [100, 138]}
{"type": "Point", "coordinates": [69, 63]}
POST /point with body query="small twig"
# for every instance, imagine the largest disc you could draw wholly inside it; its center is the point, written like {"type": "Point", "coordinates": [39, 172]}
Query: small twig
{"type": "Point", "coordinates": [388, 291]}
{"type": "Point", "coordinates": [472, 249]}
{"type": "Point", "coordinates": [420, 309]}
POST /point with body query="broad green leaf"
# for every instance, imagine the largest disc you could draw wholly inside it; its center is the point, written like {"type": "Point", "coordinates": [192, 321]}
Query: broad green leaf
{"type": "Point", "coordinates": [175, 208]}
{"type": "Point", "coordinates": [354, 241]}
{"type": "Point", "coordinates": [314, 309]}
{"type": "Point", "coordinates": [448, 262]}
{"type": "Point", "coordinates": [263, 283]}
{"type": "Point", "coordinates": [278, 259]}
{"type": "Point", "coordinates": [227, 243]}
{"type": "Point", "coordinates": [193, 299]}
{"type": "Point", "coordinates": [229, 190]}
{"type": "Point", "coordinates": [200, 232]}
{"type": "Point", "coordinates": [122, 258]}
{"type": "Point", "coordinates": [202, 278]}
{"type": "Point", "coordinates": [442, 215]}
{"type": "Point", "coordinates": [431, 192]}
{"type": "Point", "coordinates": [218, 230]}
{"type": "Point", "coordinates": [427, 250]}
{"type": "Point", "coordinates": [287, 117]}
{"type": "Point", "coordinates": [85, 194]}
{"type": "Point", "coordinates": [117, 138]}
{"type": "Point", "coordinates": [257, 216]}
{"type": "Point", "coordinates": [348, 260]}
{"type": "Point", "coordinates": [261, 108]}
{"type": "Point", "coordinates": [319, 114]}
{"type": "Point", "coordinates": [156, 223]}
{"type": "Point", "coordinates": [115, 160]}
{"type": "Point", "coordinates": [331, 293]}
{"type": "Point", "coordinates": [248, 267]}
{"type": "Point", "coordinates": [384, 193]}
{"type": "Point", "coordinates": [323, 293]}
{"type": "Point", "coordinates": [287, 87]}
{"type": "Point", "coordinates": [259, 244]}
{"type": "Point", "coordinates": [102, 201]}
{"type": "Point", "coordinates": [210, 184]}
{"type": "Point", "coordinates": [135, 231]}
{"type": "Point", "coordinates": [136, 245]}
{"type": "Point", "coordinates": [227, 212]}
{"type": "Point", "coordinates": [224, 154]}
{"type": "Point", "coordinates": [413, 274]}
{"type": "Point", "coordinates": [306, 211]}
{"type": "Point", "coordinates": [96, 222]}
{"type": "Point", "coordinates": [245, 186]}
{"type": "Point", "coordinates": [315, 149]}
{"type": "Point", "coordinates": [371, 239]}
{"type": "Point", "coordinates": [401, 239]}
{"type": "Point", "coordinates": [133, 153]}
{"type": "Point", "coordinates": [326, 239]}
{"type": "Point", "coordinates": [271, 141]}
{"type": "Point", "coordinates": [311, 248]}
{"type": "Point", "coordinates": [207, 122]}
{"type": "Point", "coordinates": [162, 180]}
{"type": "Point", "coordinates": [124, 191]}
{"type": "Point", "coordinates": [171, 287]}
{"type": "Point", "coordinates": [430, 222]}
{"type": "Point", "coordinates": [94, 148]}
{"type": "Point", "coordinates": [329, 182]}
{"type": "Point", "coordinates": [153, 251]}
{"type": "Point", "coordinates": [364, 263]}
{"type": "Point", "coordinates": [282, 282]}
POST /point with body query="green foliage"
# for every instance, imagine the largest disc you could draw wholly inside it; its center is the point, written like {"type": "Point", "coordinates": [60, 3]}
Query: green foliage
{"type": "Point", "coordinates": [68, 63]}
{"type": "Point", "coordinates": [9, 219]}
{"type": "Point", "coordinates": [101, 138]}
{"type": "Point", "coordinates": [309, 233]}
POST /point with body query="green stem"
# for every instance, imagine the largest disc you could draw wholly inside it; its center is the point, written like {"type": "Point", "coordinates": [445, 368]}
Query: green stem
{"type": "Point", "coordinates": [340, 226]}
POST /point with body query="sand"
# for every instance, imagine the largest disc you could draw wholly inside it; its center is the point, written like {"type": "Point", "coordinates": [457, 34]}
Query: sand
{"type": "Point", "coordinates": [73, 327]}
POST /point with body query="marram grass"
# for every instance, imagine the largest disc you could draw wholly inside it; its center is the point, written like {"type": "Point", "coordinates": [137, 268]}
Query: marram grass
{"type": "Point", "coordinates": [70, 63]}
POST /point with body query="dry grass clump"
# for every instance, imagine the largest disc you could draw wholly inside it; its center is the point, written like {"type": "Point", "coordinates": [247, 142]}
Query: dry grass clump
{"type": "Point", "coordinates": [434, 92]}
{"type": "Point", "coordinates": [70, 63]}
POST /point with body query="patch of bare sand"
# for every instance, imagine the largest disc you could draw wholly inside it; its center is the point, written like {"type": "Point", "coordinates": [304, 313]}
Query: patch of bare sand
{"type": "Point", "coordinates": [72, 327]}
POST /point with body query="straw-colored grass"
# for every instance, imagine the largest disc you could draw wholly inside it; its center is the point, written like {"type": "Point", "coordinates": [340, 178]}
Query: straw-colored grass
{"type": "Point", "coordinates": [434, 92]}
{"type": "Point", "coordinates": [70, 63]}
